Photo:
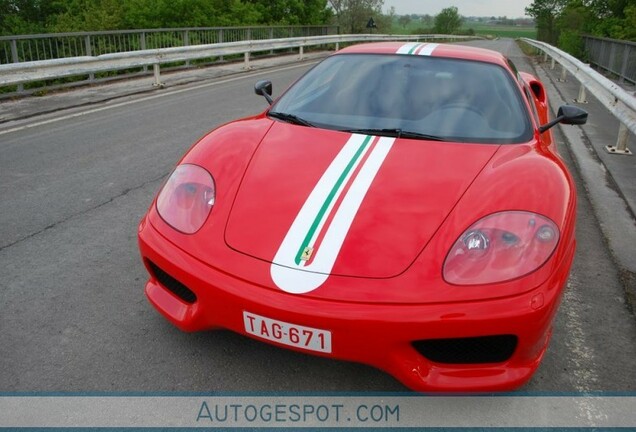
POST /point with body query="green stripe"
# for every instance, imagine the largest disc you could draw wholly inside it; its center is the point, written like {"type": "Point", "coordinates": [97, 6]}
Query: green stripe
{"type": "Point", "coordinates": [330, 197]}
{"type": "Point", "coordinates": [414, 48]}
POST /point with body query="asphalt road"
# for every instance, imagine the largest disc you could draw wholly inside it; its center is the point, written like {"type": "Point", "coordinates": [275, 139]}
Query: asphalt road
{"type": "Point", "coordinates": [73, 316]}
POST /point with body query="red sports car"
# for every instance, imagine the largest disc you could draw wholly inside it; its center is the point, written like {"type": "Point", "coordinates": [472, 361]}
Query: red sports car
{"type": "Point", "coordinates": [401, 205]}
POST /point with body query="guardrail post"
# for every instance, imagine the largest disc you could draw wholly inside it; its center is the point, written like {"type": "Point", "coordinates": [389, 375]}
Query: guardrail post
{"type": "Point", "coordinates": [301, 53]}
{"type": "Point", "coordinates": [612, 57]}
{"type": "Point", "coordinates": [16, 59]}
{"type": "Point", "coordinates": [552, 63]}
{"type": "Point", "coordinates": [621, 78]}
{"type": "Point", "coordinates": [157, 73]}
{"type": "Point", "coordinates": [581, 98]}
{"type": "Point", "coordinates": [246, 57]}
{"type": "Point", "coordinates": [142, 45]}
{"type": "Point", "coordinates": [564, 74]}
{"type": "Point", "coordinates": [621, 142]}
{"type": "Point", "coordinates": [271, 36]}
{"type": "Point", "coordinates": [337, 46]}
{"type": "Point", "coordinates": [545, 56]}
{"type": "Point", "coordinates": [220, 41]}
{"type": "Point", "coordinates": [186, 42]}
{"type": "Point", "coordinates": [89, 52]}
{"type": "Point", "coordinates": [14, 51]}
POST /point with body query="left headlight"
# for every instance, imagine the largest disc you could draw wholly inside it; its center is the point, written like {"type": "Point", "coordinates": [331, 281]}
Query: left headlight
{"type": "Point", "coordinates": [501, 247]}
{"type": "Point", "coordinates": [187, 198]}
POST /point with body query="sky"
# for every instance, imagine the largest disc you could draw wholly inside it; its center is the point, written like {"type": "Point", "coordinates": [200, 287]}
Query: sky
{"type": "Point", "coordinates": [509, 8]}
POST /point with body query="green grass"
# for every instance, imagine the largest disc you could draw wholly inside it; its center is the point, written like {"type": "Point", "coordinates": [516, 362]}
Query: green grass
{"type": "Point", "coordinates": [481, 29]}
{"type": "Point", "coordinates": [502, 31]}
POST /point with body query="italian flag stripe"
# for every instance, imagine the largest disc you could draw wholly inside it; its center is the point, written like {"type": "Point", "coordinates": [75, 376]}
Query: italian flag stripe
{"type": "Point", "coordinates": [413, 48]}
{"type": "Point", "coordinates": [309, 250]}
{"type": "Point", "coordinates": [330, 198]}
{"type": "Point", "coordinates": [317, 239]}
{"type": "Point", "coordinates": [407, 48]}
{"type": "Point", "coordinates": [428, 49]}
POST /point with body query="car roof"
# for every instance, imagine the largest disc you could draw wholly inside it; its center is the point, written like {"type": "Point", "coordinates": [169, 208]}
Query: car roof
{"type": "Point", "coordinates": [428, 48]}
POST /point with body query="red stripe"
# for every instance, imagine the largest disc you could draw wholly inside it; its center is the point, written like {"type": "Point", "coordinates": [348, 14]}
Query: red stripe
{"type": "Point", "coordinates": [417, 51]}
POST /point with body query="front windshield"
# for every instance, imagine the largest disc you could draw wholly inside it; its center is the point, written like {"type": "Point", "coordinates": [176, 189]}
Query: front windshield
{"type": "Point", "coordinates": [455, 100]}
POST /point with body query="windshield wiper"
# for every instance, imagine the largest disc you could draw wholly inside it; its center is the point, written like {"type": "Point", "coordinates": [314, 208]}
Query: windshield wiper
{"type": "Point", "coordinates": [290, 118]}
{"type": "Point", "coordinates": [398, 133]}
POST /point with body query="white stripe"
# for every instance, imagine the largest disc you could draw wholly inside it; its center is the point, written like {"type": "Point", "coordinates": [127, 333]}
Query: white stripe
{"type": "Point", "coordinates": [289, 248]}
{"type": "Point", "coordinates": [404, 49]}
{"type": "Point", "coordinates": [428, 49]}
{"type": "Point", "coordinates": [293, 278]}
{"type": "Point", "coordinates": [337, 195]}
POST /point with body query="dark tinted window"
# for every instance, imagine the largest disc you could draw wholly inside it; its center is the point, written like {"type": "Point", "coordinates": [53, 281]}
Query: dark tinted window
{"type": "Point", "coordinates": [455, 99]}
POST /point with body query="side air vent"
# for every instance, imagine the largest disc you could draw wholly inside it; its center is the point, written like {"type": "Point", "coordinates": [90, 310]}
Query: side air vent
{"type": "Point", "coordinates": [173, 285]}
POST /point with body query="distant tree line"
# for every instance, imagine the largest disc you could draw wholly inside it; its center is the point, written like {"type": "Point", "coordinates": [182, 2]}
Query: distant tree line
{"type": "Point", "coordinates": [448, 21]}
{"type": "Point", "coordinates": [55, 16]}
{"type": "Point", "coordinates": [353, 15]}
{"type": "Point", "coordinates": [49, 16]}
{"type": "Point", "coordinates": [562, 22]}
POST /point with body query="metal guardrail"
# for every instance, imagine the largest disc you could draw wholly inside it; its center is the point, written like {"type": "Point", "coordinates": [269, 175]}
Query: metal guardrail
{"type": "Point", "coordinates": [612, 55]}
{"type": "Point", "coordinates": [19, 73]}
{"type": "Point", "coordinates": [23, 48]}
{"type": "Point", "coordinates": [26, 48]}
{"type": "Point", "coordinates": [619, 102]}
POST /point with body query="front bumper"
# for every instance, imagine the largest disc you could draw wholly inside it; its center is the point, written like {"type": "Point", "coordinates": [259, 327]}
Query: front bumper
{"type": "Point", "coordinates": [381, 335]}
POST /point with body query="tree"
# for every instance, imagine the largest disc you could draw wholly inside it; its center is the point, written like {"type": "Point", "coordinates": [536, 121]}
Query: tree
{"type": "Point", "coordinates": [88, 15]}
{"type": "Point", "coordinates": [448, 21]}
{"type": "Point", "coordinates": [545, 13]}
{"type": "Point", "coordinates": [352, 15]}
{"type": "Point", "coordinates": [25, 16]}
{"type": "Point", "coordinates": [43, 16]}
{"type": "Point", "coordinates": [302, 12]}
{"type": "Point", "coordinates": [574, 19]}
{"type": "Point", "coordinates": [427, 20]}
{"type": "Point", "coordinates": [629, 28]}
{"type": "Point", "coordinates": [404, 20]}
{"type": "Point", "coordinates": [563, 21]}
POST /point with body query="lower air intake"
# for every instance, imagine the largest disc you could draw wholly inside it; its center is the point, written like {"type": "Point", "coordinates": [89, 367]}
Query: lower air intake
{"type": "Point", "coordinates": [173, 285]}
{"type": "Point", "coordinates": [474, 350]}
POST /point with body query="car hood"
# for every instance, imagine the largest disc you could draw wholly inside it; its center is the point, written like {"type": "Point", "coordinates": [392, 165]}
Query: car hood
{"type": "Point", "coordinates": [320, 202]}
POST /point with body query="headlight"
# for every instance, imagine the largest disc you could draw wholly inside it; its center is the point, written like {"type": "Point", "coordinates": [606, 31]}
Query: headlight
{"type": "Point", "coordinates": [501, 247]}
{"type": "Point", "coordinates": [185, 201]}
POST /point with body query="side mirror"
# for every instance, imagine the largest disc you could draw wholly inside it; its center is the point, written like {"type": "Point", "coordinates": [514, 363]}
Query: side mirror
{"type": "Point", "coordinates": [567, 114]}
{"type": "Point", "coordinates": [264, 88]}
{"type": "Point", "coordinates": [572, 115]}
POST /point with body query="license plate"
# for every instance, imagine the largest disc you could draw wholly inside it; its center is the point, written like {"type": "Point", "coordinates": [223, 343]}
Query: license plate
{"type": "Point", "coordinates": [295, 335]}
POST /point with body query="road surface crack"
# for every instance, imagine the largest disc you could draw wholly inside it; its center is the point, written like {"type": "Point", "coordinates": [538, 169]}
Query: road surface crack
{"type": "Point", "coordinates": [83, 212]}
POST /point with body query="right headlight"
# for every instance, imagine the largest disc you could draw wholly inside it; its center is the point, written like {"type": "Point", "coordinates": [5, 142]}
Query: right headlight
{"type": "Point", "coordinates": [501, 247]}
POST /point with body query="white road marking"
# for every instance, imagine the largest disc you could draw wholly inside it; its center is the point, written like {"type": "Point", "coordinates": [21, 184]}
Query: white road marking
{"type": "Point", "coordinates": [147, 98]}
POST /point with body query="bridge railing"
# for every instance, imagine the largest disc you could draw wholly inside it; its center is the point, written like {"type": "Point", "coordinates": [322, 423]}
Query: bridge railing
{"type": "Point", "coordinates": [612, 55]}
{"type": "Point", "coordinates": [24, 48]}
{"type": "Point", "coordinates": [24, 72]}
{"type": "Point", "coordinates": [39, 47]}
{"type": "Point", "coordinates": [618, 101]}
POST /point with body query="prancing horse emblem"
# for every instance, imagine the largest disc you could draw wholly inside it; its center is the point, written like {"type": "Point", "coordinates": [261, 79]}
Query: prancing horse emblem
{"type": "Point", "coordinates": [306, 256]}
